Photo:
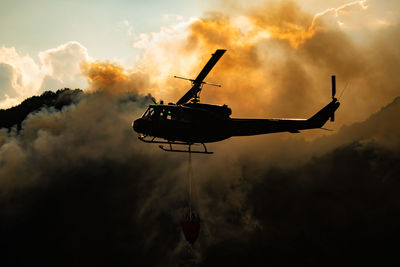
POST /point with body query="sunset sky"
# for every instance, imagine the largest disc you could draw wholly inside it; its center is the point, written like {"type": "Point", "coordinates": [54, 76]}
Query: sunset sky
{"type": "Point", "coordinates": [43, 43]}
{"type": "Point", "coordinates": [106, 28]}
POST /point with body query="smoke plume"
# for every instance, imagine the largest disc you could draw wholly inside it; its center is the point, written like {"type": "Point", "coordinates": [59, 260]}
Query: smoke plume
{"type": "Point", "coordinates": [111, 78]}
{"type": "Point", "coordinates": [280, 58]}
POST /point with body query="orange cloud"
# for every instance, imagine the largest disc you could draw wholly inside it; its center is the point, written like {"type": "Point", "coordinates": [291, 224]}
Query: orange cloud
{"type": "Point", "coordinates": [112, 78]}
{"type": "Point", "coordinates": [284, 21]}
{"type": "Point", "coordinates": [279, 60]}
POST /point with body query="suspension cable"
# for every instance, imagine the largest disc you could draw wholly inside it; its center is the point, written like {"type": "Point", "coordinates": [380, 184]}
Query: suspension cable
{"type": "Point", "coordinates": [190, 175]}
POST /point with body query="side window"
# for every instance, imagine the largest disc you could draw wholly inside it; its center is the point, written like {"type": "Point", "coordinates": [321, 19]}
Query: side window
{"type": "Point", "coordinates": [156, 114]}
{"type": "Point", "coordinates": [163, 114]}
{"type": "Point", "coordinates": [149, 114]}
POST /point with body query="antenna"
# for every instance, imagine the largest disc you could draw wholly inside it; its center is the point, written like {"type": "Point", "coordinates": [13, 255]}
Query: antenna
{"type": "Point", "coordinates": [341, 94]}
{"type": "Point", "coordinates": [333, 95]}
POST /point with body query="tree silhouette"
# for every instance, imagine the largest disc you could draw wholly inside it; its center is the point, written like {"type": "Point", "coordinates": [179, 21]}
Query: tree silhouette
{"type": "Point", "coordinates": [16, 115]}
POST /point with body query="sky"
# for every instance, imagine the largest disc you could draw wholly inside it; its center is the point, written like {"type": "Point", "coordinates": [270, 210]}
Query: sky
{"type": "Point", "coordinates": [78, 188]}
{"type": "Point", "coordinates": [105, 28]}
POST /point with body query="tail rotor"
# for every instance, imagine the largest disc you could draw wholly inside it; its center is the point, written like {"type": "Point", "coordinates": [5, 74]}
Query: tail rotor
{"type": "Point", "coordinates": [327, 112]}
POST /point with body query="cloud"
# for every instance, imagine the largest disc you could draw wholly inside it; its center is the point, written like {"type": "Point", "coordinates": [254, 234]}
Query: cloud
{"type": "Point", "coordinates": [57, 68]}
{"type": "Point", "coordinates": [129, 28]}
{"type": "Point", "coordinates": [23, 74]}
{"type": "Point", "coordinates": [63, 64]}
{"type": "Point", "coordinates": [64, 61]}
{"type": "Point", "coordinates": [344, 11]}
{"type": "Point", "coordinates": [8, 79]}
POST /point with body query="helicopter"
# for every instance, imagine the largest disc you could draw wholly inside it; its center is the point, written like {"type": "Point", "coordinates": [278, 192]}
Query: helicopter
{"type": "Point", "coordinates": [188, 122]}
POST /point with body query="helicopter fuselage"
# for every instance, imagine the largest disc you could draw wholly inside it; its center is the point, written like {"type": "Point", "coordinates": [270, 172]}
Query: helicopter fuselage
{"type": "Point", "coordinates": [204, 123]}
{"type": "Point", "coordinates": [191, 123]}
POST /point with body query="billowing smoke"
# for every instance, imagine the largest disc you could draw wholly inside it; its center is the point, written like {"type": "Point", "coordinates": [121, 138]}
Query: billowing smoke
{"type": "Point", "coordinates": [77, 185]}
{"type": "Point", "coordinates": [111, 78]}
{"type": "Point", "coordinates": [78, 188]}
{"type": "Point", "coordinates": [279, 58]}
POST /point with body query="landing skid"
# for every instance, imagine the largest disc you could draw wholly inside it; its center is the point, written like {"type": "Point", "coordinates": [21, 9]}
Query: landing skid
{"type": "Point", "coordinates": [189, 150]}
{"type": "Point", "coordinates": [170, 144]}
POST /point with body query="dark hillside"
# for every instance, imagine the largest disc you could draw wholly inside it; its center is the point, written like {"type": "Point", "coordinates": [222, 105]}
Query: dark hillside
{"type": "Point", "coordinates": [16, 115]}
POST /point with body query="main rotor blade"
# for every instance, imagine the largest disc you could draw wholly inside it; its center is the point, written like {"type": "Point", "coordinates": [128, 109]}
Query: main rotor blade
{"type": "Point", "coordinates": [202, 75]}
{"type": "Point", "coordinates": [210, 64]}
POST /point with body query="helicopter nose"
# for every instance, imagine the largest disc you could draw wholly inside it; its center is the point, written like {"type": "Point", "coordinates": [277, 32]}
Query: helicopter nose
{"type": "Point", "coordinates": [138, 125]}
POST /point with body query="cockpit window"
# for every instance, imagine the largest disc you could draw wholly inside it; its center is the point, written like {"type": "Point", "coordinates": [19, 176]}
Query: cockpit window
{"type": "Point", "coordinates": [160, 113]}
{"type": "Point", "coordinates": [148, 113]}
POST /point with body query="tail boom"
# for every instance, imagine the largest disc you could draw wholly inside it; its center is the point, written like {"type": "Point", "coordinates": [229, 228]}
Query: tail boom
{"type": "Point", "coordinates": [326, 113]}
{"type": "Point", "coordinates": [246, 127]}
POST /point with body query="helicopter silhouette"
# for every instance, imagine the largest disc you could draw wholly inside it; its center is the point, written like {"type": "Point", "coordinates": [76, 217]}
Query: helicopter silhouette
{"type": "Point", "coordinates": [189, 122]}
